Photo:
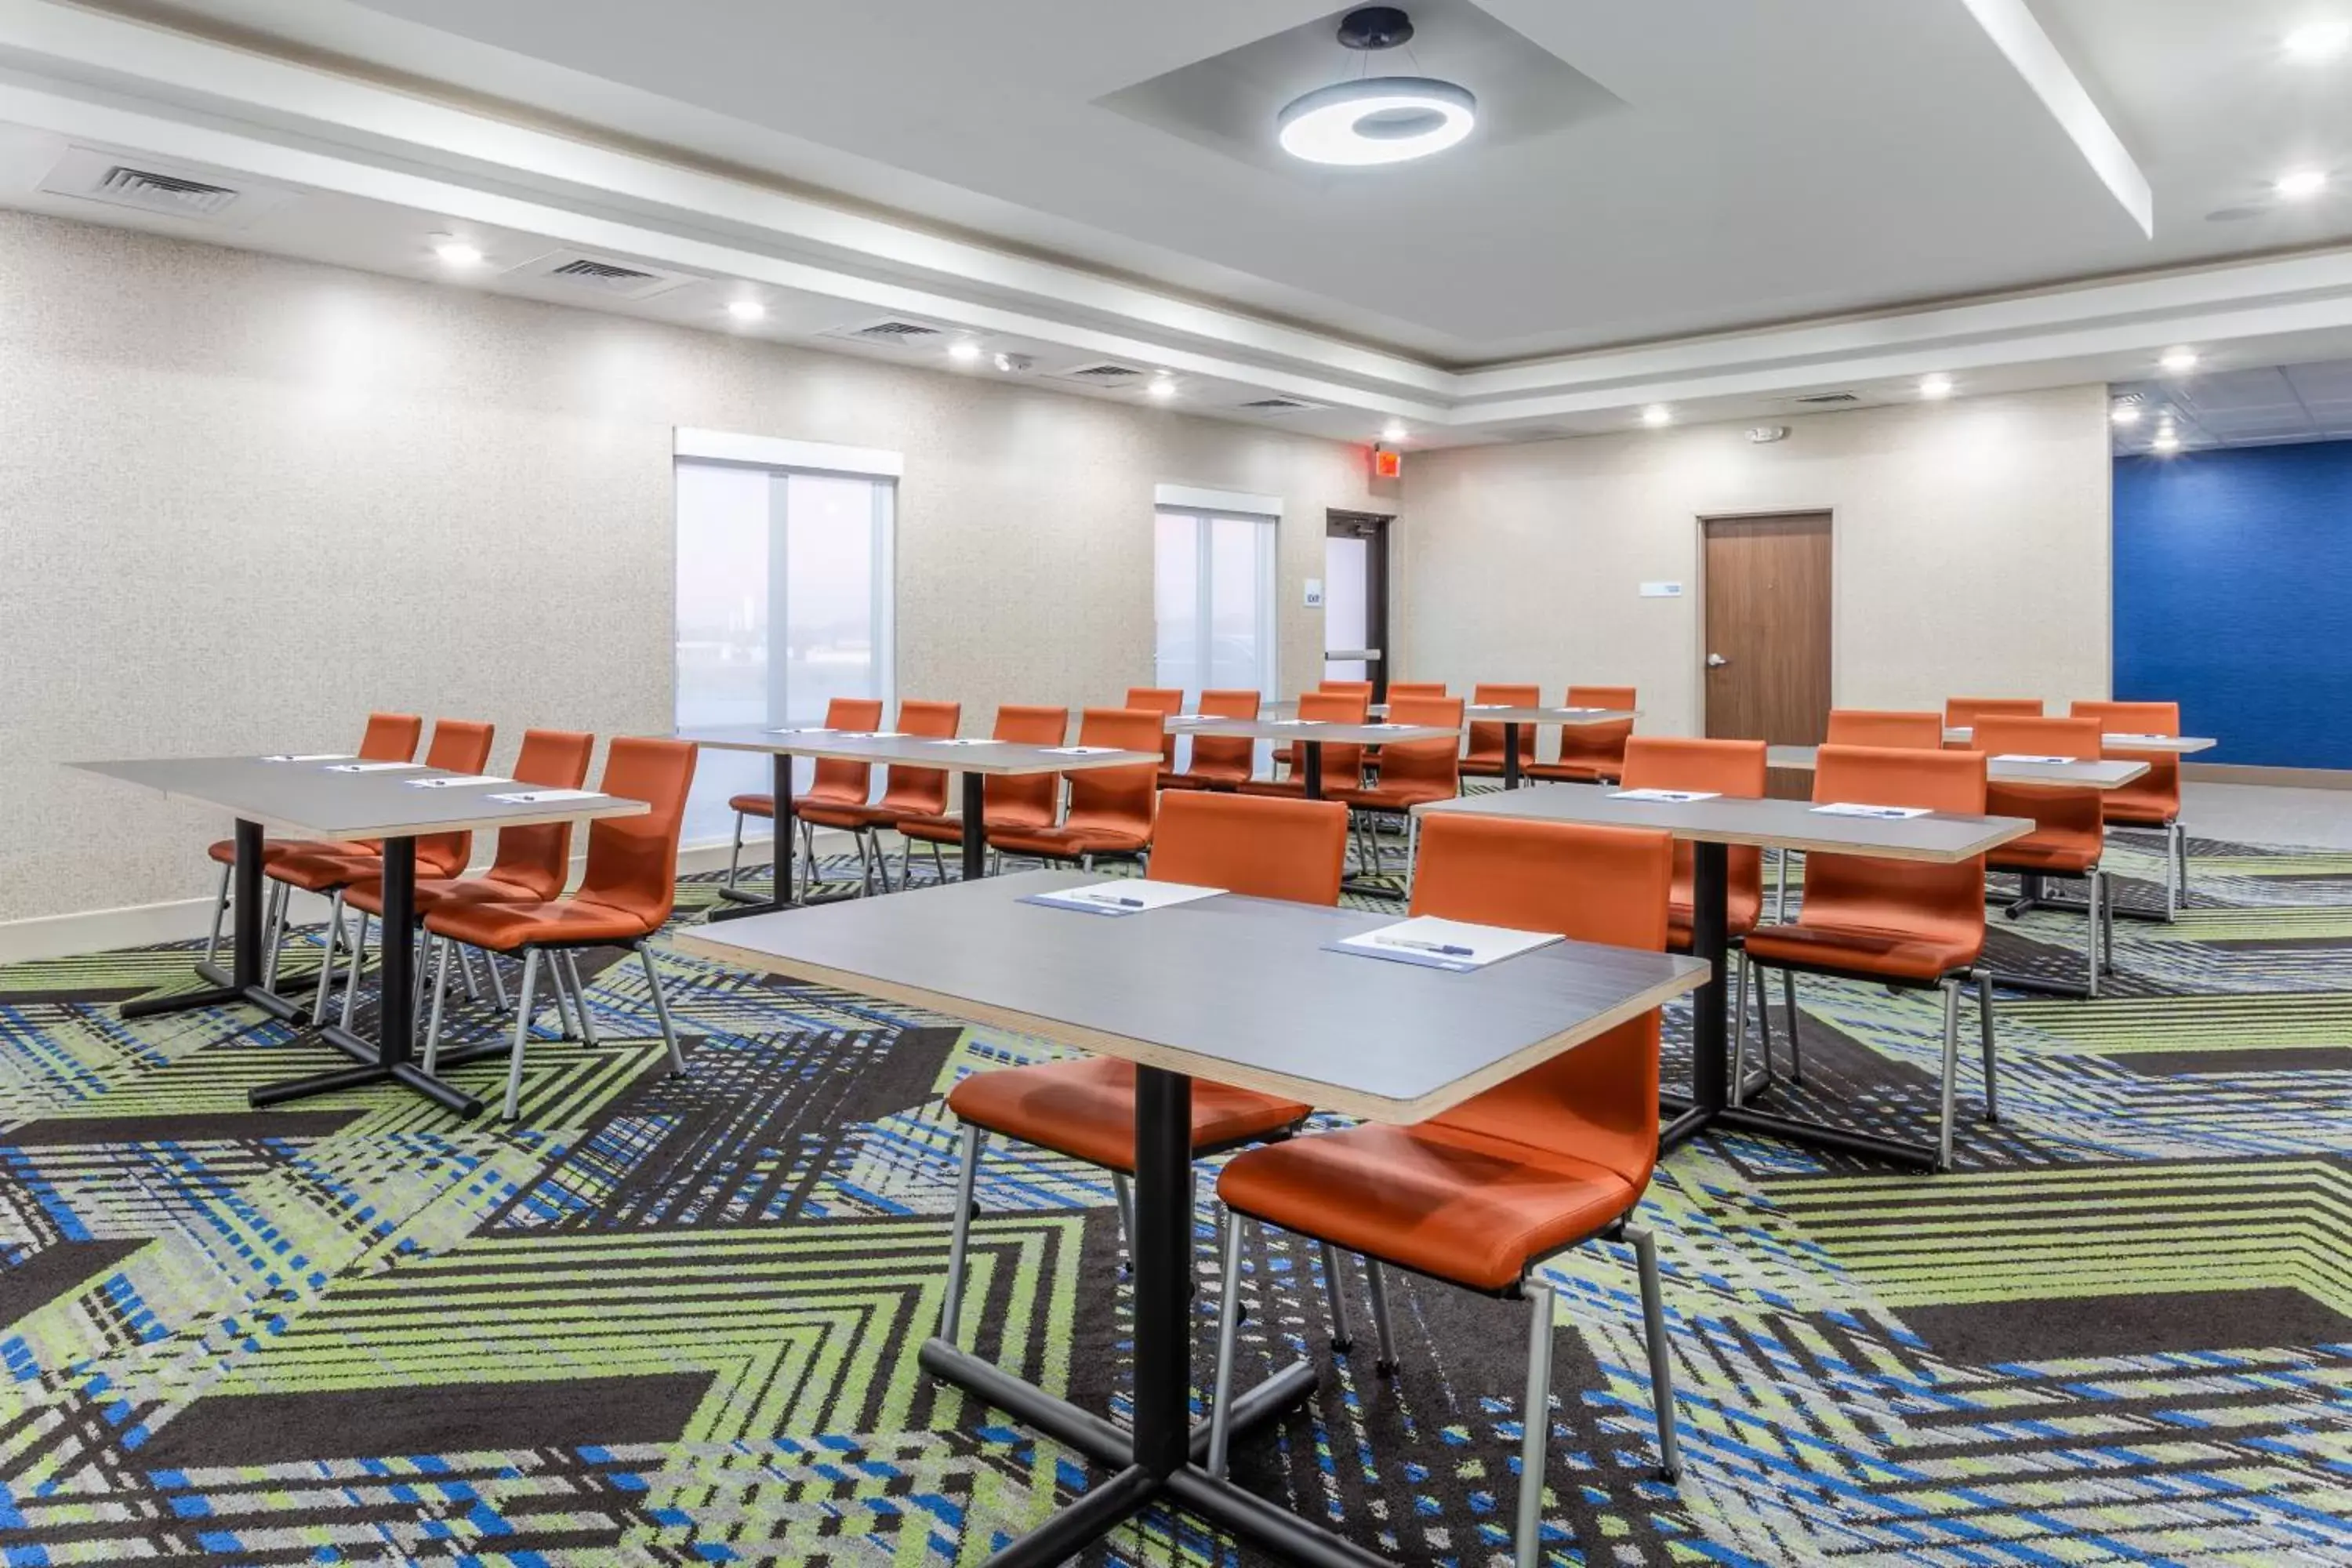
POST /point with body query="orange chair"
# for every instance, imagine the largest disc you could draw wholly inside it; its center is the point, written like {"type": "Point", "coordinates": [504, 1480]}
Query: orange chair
{"type": "Point", "coordinates": [2068, 824]}
{"type": "Point", "coordinates": [1290, 850]}
{"type": "Point", "coordinates": [1481, 1194]}
{"type": "Point", "coordinates": [1411, 773]}
{"type": "Point", "coordinates": [625, 897]}
{"type": "Point", "coordinates": [1110, 809]}
{"type": "Point", "coordinates": [533, 863]}
{"type": "Point", "coordinates": [1288, 756]}
{"type": "Point", "coordinates": [2152, 800]}
{"type": "Point", "coordinates": [459, 746]}
{"type": "Point", "coordinates": [388, 738]}
{"type": "Point", "coordinates": [1589, 754]}
{"type": "Point", "coordinates": [1362, 689]}
{"type": "Point", "coordinates": [1415, 688]}
{"type": "Point", "coordinates": [1343, 764]}
{"type": "Point", "coordinates": [907, 792]}
{"type": "Point", "coordinates": [1880, 727]}
{"type": "Point", "coordinates": [1962, 712]}
{"type": "Point", "coordinates": [1166, 702]}
{"type": "Point", "coordinates": [1902, 923]}
{"type": "Point", "coordinates": [1483, 758]}
{"type": "Point", "coordinates": [837, 781]}
{"type": "Point", "coordinates": [1220, 762]}
{"type": "Point", "coordinates": [1010, 802]}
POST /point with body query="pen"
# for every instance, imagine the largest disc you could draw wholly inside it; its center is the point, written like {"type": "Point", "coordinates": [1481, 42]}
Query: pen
{"type": "Point", "coordinates": [1444, 949]}
{"type": "Point", "coordinates": [1112, 898]}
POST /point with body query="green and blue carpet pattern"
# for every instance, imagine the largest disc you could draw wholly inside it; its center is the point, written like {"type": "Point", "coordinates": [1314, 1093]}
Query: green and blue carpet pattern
{"type": "Point", "coordinates": [674, 1321]}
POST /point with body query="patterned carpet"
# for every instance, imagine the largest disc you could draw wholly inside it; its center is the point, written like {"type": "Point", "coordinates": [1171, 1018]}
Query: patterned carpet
{"type": "Point", "coordinates": [673, 1321]}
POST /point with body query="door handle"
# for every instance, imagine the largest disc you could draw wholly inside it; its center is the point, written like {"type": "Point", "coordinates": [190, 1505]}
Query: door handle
{"type": "Point", "coordinates": [1716, 661]}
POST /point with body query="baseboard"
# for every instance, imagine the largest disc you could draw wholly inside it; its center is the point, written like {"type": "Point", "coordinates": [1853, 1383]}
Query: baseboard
{"type": "Point", "coordinates": [2289, 778]}
{"type": "Point", "coordinates": [183, 919]}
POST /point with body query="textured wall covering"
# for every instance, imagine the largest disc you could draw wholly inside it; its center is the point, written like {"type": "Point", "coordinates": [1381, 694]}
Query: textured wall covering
{"type": "Point", "coordinates": [1971, 552]}
{"type": "Point", "coordinates": [2233, 597]}
{"type": "Point", "coordinates": [245, 499]}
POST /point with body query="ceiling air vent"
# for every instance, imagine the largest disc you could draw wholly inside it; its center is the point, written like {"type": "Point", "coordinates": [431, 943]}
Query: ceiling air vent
{"type": "Point", "coordinates": [579, 271]}
{"type": "Point", "coordinates": [200, 195]}
{"type": "Point", "coordinates": [1279, 405]}
{"type": "Point", "coordinates": [1104, 374]}
{"type": "Point", "coordinates": [890, 333]}
{"type": "Point", "coordinates": [1827, 399]}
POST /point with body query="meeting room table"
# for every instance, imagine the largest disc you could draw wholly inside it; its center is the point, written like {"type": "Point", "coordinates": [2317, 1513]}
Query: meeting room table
{"type": "Point", "coordinates": [1711, 826]}
{"type": "Point", "coordinates": [2101, 774]}
{"type": "Point", "coordinates": [974, 760]}
{"type": "Point", "coordinates": [2178, 745]}
{"type": "Point", "coordinates": [345, 799]}
{"type": "Point", "coordinates": [1513, 719]}
{"type": "Point", "coordinates": [1235, 990]}
{"type": "Point", "coordinates": [1310, 735]}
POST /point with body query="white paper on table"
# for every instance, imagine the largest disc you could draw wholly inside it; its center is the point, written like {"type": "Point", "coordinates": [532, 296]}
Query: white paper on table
{"type": "Point", "coordinates": [1298, 723]}
{"type": "Point", "coordinates": [1883, 812]}
{"type": "Point", "coordinates": [1434, 944]}
{"type": "Point", "coordinates": [1195, 719]}
{"type": "Point", "coordinates": [1676, 796]}
{"type": "Point", "coordinates": [2127, 737]}
{"type": "Point", "coordinates": [1123, 896]}
{"type": "Point", "coordinates": [975, 740]}
{"type": "Point", "coordinates": [459, 782]}
{"type": "Point", "coordinates": [549, 796]}
{"type": "Point", "coordinates": [372, 767]}
{"type": "Point", "coordinates": [1080, 751]}
{"type": "Point", "coordinates": [1488, 707]}
{"type": "Point", "coordinates": [2022, 757]}
{"type": "Point", "coordinates": [1584, 709]}
{"type": "Point", "coordinates": [1385, 726]}
{"type": "Point", "coordinates": [874, 734]}
{"type": "Point", "coordinates": [803, 730]}
{"type": "Point", "coordinates": [312, 757]}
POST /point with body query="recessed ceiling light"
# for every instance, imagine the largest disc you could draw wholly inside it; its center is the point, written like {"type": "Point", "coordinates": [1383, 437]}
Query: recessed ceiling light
{"type": "Point", "coordinates": [1163, 385]}
{"type": "Point", "coordinates": [2301, 183]}
{"type": "Point", "coordinates": [2125, 414]}
{"type": "Point", "coordinates": [2319, 41]}
{"type": "Point", "coordinates": [2166, 441]}
{"type": "Point", "coordinates": [1376, 120]}
{"type": "Point", "coordinates": [2178, 362]}
{"type": "Point", "coordinates": [1935, 387]}
{"type": "Point", "coordinates": [457, 252]}
{"type": "Point", "coordinates": [746, 310]}
{"type": "Point", "coordinates": [1394, 430]}
{"type": "Point", "coordinates": [964, 350]}
{"type": "Point", "coordinates": [1657, 413]}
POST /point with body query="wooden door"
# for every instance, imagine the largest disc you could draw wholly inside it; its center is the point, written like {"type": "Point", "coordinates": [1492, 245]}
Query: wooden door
{"type": "Point", "coordinates": [1768, 633]}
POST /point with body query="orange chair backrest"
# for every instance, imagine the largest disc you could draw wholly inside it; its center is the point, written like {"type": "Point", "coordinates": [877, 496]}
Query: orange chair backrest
{"type": "Point", "coordinates": [1424, 764]}
{"type": "Point", "coordinates": [1342, 764]}
{"type": "Point", "coordinates": [1229, 757]}
{"type": "Point", "coordinates": [839, 782]}
{"type": "Point", "coordinates": [1602, 745]}
{"type": "Point", "coordinates": [1997, 735]}
{"type": "Point", "coordinates": [1263, 846]}
{"type": "Point", "coordinates": [1883, 728]}
{"type": "Point", "coordinates": [1619, 698]}
{"type": "Point", "coordinates": [1162, 700]}
{"type": "Point", "coordinates": [922, 791]}
{"type": "Point", "coordinates": [1888, 896]}
{"type": "Point", "coordinates": [1487, 740]}
{"type": "Point", "coordinates": [538, 859]}
{"type": "Point", "coordinates": [2075, 809]}
{"type": "Point", "coordinates": [633, 860]}
{"type": "Point", "coordinates": [391, 737]}
{"type": "Point", "coordinates": [1120, 799]}
{"type": "Point", "coordinates": [1416, 688]}
{"type": "Point", "coordinates": [1592, 884]}
{"type": "Point", "coordinates": [1362, 689]}
{"type": "Point", "coordinates": [1726, 767]}
{"type": "Point", "coordinates": [460, 746]}
{"type": "Point", "coordinates": [2157, 791]}
{"type": "Point", "coordinates": [1962, 712]}
{"type": "Point", "coordinates": [1028, 800]}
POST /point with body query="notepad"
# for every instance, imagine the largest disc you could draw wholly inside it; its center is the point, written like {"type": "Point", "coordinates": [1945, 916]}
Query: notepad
{"type": "Point", "coordinates": [548, 796]}
{"type": "Point", "coordinates": [874, 734]}
{"type": "Point", "coordinates": [804, 730]}
{"type": "Point", "coordinates": [2022, 757]}
{"type": "Point", "coordinates": [1434, 943]}
{"type": "Point", "coordinates": [372, 767]}
{"type": "Point", "coordinates": [1676, 796]}
{"type": "Point", "coordinates": [1080, 751]}
{"type": "Point", "coordinates": [1296, 723]}
{"type": "Point", "coordinates": [311, 757]}
{"type": "Point", "coordinates": [1882, 813]}
{"type": "Point", "coordinates": [1122, 896]}
{"type": "Point", "coordinates": [457, 783]}
{"type": "Point", "coordinates": [1402, 726]}
{"type": "Point", "coordinates": [974, 741]}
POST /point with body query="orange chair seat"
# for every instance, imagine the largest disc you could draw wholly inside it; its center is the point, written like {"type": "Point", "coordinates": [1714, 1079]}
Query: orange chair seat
{"type": "Point", "coordinates": [1285, 789]}
{"type": "Point", "coordinates": [1492, 767]}
{"type": "Point", "coordinates": [320, 871]}
{"type": "Point", "coordinates": [437, 893]}
{"type": "Point", "coordinates": [1568, 773]}
{"type": "Point", "coordinates": [1442, 1200]}
{"type": "Point", "coordinates": [275, 849]}
{"type": "Point", "coordinates": [1066, 843]}
{"type": "Point", "coordinates": [753, 805]}
{"type": "Point", "coordinates": [2135, 814]}
{"type": "Point", "coordinates": [502, 928]}
{"type": "Point", "coordinates": [828, 814]}
{"type": "Point", "coordinates": [949, 829]}
{"type": "Point", "coordinates": [1392, 797]}
{"type": "Point", "coordinates": [1085, 1108]}
{"type": "Point", "coordinates": [1900, 956]}
{"type": "Point", "coordinates": [1742, 907]}
{"type": "Point", "coordinates": [2060, 854]}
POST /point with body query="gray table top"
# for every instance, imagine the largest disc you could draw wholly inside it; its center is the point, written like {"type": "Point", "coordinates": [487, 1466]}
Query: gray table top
{"type": "Point", "coordinates": [1001, 757]}
{"type": "Point", "coordinates": [1232, 989]}
{"type": "Point", "coordinates": [2100, 775]}
{"type": "Point", "coordinates": [2182, 744]}
{"type": "Point", "coordinates": [309, 798]}
{"type": "Point", "coordinates": [1785, 824]}
{"type": "Point", "coordinates": [1325, 735]}
{"type": "Point", "coordinates": [1564, 718]}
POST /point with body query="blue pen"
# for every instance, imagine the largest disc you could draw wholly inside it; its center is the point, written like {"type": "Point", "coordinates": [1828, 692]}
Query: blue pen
{"type": "Point", "coordinates": [1444, 949]}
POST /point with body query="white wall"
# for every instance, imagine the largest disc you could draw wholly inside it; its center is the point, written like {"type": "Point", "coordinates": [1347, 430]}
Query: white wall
{"type": "Point", "coordinates": [245, 500]}
{"type": "Point", "coordinates": [1970, 541]}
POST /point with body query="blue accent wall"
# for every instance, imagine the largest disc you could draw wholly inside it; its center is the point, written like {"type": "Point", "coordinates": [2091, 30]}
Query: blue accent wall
{"type": "Point", "coordinates": [2233, 594]}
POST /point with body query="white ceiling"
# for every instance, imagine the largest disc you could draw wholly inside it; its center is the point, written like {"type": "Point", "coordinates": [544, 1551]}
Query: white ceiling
{"type": "Point", "coordinates": [1756, 200]}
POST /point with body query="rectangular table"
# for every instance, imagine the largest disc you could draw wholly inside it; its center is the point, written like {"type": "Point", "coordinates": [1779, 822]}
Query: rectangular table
{"type": "Point", "coordinates": [2103, 773]}
{"type": "Point", "coordinates": [2181, 745]}
{"type": "Point", "coordinates": [1511, 718]}
{"type": "Point", "coordinates": [975, 760]}
{"type": "Point", "coordinates": [1235, 990]}
{"type": "Point", "coordinates": [311, 800]}
{"type": "Point", "coordinates": [1310, 736]}
{"type": "Point", "coordinates": [1711, 828]}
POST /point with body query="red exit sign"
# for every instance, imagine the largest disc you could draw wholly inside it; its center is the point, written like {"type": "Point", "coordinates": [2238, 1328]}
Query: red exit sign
{"type": "Point", "coordinates": [1387, 464]}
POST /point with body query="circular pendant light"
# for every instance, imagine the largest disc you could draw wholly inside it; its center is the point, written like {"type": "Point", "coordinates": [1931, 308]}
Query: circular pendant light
{"type": "Point", "coordinates": [1377, 120]}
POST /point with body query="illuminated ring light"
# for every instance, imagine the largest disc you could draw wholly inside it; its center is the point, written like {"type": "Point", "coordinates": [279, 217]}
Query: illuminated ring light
{"type": "Point", "coordinates": [1378, 120]}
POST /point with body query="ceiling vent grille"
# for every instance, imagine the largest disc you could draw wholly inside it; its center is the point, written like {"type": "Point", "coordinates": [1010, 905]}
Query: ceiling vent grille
{"type": "Point", "coordinates": [1279, 405]}
{"type": "Point", "coordinates": [580, 271]}
{"type": "Point", "coordinates": [2129, 399]}
{"type": "Point", "coordinates": [163, 192]}
{"type": "Point", "coordinates": [890, 333]}
{"type": "Point", "coordinates": [1104, 374]}
{"type": "Point", "coordinates": [197, 195]}
{"type": "Point", "coordinates": [1827, 399]}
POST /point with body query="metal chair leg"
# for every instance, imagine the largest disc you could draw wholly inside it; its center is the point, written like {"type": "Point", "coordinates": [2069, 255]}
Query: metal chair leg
{"type": "Point", "coordinates": [1412, 850]}
{"type": "Point", "coordinates": [556, 988]}
{"type": "Point", "coordinates": [1228, 1319]}
{"type": "Point", "coordinates": [1386, 1363]}
{"type": "Point", "coordinates": [735, 854]}
{"type": "Point", "coordinates": [1125, 1193]}
{"type": "Point", "coordinates": [440, 995]}
{"type": "Point", "coordinates": [1662, 1366]}
{"type": "Point", "coordinates": [497, 981]}
{"type": "Point", "coordinates": [1780, 890]}
{"type": "Point", "coordinates": [2107, 923]}
{"type": "Point", "coordinates": [522, 1032]}
{"type": "Point", "coordinates": [661, 1010]}
{"type": "Point", "coordinates": [580, 999]}
{"type": "Point", "coordinates": [1535, 1421]}
{"type": "Point", "coordinates": [220, 913]}
{"type": "Point", "coordinates": [466, 974]}
{"type": "Point", "coordinates": [2175, 882]}
{"type": "Point", "coordinates": [2093, 919]}
{"type": "Point", "coordinates": [274, 928]}
{"type": "Point", "coordinates": [351, 972]}
{"type": "Point", "coordinates": [1952, 989]}
{"type": "Point", "coordinates": [327, 963]}
{"type": "Point", "coordinates": [960, 1242]}
{"type": "Point", "coordinates": [1335, 1294]}
{"type": "Point", "coordinates": [1984, 1031]}
{"type": "Point", "coordinates": [939, 866]}
{"type": "Point", "coordinates": [1796, 1050]}
{"type": "Point", "coordinates": [1739, 1032]}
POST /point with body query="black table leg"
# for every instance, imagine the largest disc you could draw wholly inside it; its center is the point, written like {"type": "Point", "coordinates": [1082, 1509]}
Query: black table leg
{"type": "Point", "coordinates": [1311, 767]}
{"type": "Point", "coordinates": [240, 984]}
{"type": "Point", "coordinates": [975, 827]}
{"type": "Point", "coordinates": [387, 1058]}
{"type": "Point", "coordinates": [780, 896]}
{"type": "Point", "coordinates": [1510, 756]}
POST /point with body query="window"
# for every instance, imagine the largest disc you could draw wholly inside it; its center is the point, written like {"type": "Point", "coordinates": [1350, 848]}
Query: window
{"type": "Point", "coordinates": [1212, 587]}
{"type": "Point", "coordinates": [762, 527]}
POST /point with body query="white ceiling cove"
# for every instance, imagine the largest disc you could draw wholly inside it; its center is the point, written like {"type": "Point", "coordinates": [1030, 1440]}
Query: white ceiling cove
{"type": "Point", "coordinates": [1719, 205]}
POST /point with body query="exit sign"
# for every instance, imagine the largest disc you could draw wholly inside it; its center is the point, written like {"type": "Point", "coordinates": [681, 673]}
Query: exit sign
{"type": "Point", "coordinates": [1387, 464]}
